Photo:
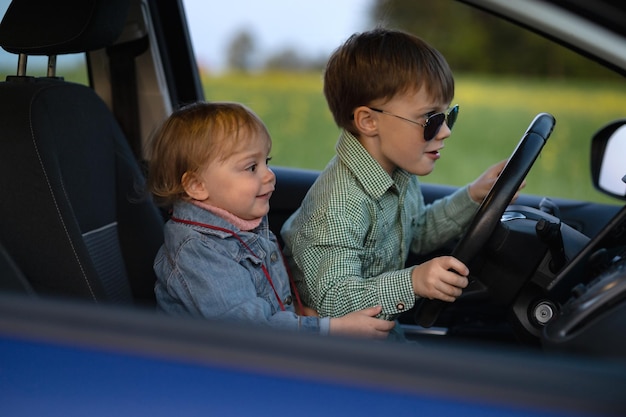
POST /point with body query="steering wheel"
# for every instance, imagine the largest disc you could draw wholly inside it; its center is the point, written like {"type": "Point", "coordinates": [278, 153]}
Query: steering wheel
{"type": "Point", "coordinates": [490, 211]}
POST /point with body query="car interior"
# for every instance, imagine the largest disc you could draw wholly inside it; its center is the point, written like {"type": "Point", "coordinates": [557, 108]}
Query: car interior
{"type": "Point", "coordinates": [81, 227]}
{"type": "Point", "coordinates": [77, 224]}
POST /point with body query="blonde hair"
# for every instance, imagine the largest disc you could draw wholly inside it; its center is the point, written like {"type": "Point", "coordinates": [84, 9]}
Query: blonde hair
{"type": "Point", "coordinates": [193, 137]}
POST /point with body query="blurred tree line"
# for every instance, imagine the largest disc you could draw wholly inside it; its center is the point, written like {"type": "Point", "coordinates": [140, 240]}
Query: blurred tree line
{"type": "Point", "coordinates": [510, 49]}
{"type": "Point", "coordinates": [474, 31]}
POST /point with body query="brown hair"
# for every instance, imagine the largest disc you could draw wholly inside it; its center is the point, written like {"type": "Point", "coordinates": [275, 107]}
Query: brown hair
{"type": "Point", "coordinates": [380, 64]}
{"type": "Point", "coordinates": [194, 136]}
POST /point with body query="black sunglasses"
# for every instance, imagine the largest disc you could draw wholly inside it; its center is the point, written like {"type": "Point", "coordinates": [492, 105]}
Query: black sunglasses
{"type": "Point", "coordinates": [433, 122]}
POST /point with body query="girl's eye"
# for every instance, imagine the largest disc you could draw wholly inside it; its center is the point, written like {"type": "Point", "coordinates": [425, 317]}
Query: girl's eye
{"type": "Point", "coordinates": [267, 160]}
{"type": "Point", "coordinates": [251, 168]}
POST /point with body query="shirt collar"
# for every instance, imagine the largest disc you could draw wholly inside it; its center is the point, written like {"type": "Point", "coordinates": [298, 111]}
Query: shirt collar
{"type": "Point", "coordinates": [373, 178]}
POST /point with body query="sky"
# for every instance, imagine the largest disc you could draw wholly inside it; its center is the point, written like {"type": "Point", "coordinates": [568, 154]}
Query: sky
{"type": "Point", "coordinates": [314, 28]}
{"type": "Point", "coordinates": [317, 27]}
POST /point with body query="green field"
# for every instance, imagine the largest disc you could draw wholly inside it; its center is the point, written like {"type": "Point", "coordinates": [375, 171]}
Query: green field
{"type": "Point", "coordinates": [494, 115]}
{"type": "Point", "coordinates": [495, 112]}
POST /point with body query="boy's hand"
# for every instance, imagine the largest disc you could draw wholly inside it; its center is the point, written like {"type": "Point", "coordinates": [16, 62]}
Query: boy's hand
{"type": "Point", "coordinates": [479, 189]}
{"type": "Point", "coordinates": [362, 323]}
{"type": "Point", "coordinates": [437, 278]}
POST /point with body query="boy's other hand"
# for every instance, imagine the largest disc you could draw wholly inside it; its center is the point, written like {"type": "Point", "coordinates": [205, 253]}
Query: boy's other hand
{"type": "Point", "coordinates": [479, 189]}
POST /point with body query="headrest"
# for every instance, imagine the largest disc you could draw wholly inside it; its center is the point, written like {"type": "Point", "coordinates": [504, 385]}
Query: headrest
{"type": "Point", "coordinates": [56, 27]}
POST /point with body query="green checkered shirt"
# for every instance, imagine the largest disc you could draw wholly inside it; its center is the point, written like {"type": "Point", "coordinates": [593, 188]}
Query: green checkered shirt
{"type": "Point", "coordinates": [348, 242]}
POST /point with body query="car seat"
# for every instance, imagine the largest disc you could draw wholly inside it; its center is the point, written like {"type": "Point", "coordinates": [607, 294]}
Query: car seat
{"type": "Point", "coordinates": [74, 217]}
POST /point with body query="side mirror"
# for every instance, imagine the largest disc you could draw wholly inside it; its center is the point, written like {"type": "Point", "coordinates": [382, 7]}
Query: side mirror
{"type": "Point", "coordinates": [608, 159]}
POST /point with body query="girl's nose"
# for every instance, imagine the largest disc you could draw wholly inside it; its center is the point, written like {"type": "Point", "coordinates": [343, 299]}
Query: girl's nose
{"type": "Point", "coordinates": [270, 176]}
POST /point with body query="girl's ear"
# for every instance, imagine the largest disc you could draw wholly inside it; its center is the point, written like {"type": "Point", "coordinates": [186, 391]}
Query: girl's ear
{"type": "Point", "coordinates": [365, 121]}
{"type": "Point", "coordinates": [194, 187]}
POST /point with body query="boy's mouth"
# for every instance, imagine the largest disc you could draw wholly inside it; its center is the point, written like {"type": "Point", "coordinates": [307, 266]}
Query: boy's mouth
{"type": "Point", "coordinates": [435, 153]}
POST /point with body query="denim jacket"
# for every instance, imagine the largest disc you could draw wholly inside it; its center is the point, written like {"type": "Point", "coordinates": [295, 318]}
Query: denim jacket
{"type": "Point", "coordinates": [210, 273]}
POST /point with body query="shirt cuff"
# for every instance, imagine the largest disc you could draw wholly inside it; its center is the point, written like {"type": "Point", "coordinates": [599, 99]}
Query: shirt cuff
{"type": "Point", "coordinates": [396, 293]}
{"type": "Point", "coordinates": [325, 326]}
{"type": "Point", "coordinates": [461, 207]}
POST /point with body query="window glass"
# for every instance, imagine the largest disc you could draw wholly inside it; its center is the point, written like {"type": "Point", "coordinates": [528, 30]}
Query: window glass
{"type": "Point", "coordinates": [70, 67]}
{"type": "Point", "coordinates": [271, 56]}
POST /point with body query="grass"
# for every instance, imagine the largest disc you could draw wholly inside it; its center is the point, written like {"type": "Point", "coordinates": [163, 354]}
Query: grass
{"type": "Point", "coordinates": [495, 113]}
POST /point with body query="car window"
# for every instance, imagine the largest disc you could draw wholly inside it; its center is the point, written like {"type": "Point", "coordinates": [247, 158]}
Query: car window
{"type": "Point", "coordinates": [70, 67]}
{"type": "Point", "coordinates": [282, 82]}
{"type": "Point", "coordinates": [271, 58]}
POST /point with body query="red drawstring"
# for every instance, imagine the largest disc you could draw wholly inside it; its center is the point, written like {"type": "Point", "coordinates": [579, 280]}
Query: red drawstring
{"type": "Point", "coordinates": [291, 281]}
{"type": "Point", "coordinates": [263, 267]}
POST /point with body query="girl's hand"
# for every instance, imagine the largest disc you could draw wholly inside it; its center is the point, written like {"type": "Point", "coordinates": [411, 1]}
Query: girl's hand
{"type": "Point", "coordinates": [362, 323]}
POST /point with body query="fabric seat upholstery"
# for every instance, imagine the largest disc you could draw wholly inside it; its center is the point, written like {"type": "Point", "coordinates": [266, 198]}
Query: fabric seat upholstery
{"type": "Point", "coordinates": [74, 217]}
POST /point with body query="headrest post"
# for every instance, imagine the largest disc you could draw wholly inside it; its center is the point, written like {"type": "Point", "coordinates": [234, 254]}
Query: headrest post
{"type": "Point", "coordinates": [52, 65]}
{"type": "Point", "coordinates": [21, 65]}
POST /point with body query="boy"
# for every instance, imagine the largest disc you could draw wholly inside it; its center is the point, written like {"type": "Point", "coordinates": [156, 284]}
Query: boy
{"type": "Point", "coordinates": [347, 244]}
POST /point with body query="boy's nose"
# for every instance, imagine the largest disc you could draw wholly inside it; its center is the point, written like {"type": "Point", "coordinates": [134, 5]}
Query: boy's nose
{"type": "Point", "coordinates": [444, 132]}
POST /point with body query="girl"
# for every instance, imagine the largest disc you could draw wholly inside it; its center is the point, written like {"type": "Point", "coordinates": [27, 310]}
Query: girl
{"type": "Point", "coordinates": [219, 259]}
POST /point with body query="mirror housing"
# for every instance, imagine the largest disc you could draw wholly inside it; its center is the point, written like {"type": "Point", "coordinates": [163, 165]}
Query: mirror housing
{"type": "Point", "coordinates": [608, 159]}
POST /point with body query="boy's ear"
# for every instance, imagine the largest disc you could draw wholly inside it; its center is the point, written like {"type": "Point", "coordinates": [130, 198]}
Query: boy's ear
{"type": "Point", "coordinates": [194, 187]}
{"type": "Point", "coordinates": [365, 121]}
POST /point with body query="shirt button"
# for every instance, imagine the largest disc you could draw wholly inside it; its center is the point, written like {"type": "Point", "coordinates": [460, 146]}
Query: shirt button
{"type": "Point", "coordinates": [400, 306]}
{"type": "Point", "coordinates": [274, 257]}
{"type": "Point", "coordinates": [288, 300]}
